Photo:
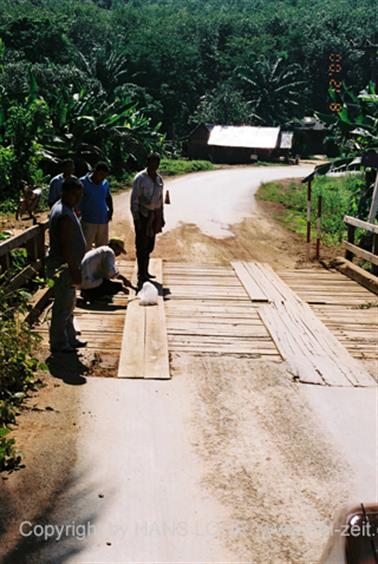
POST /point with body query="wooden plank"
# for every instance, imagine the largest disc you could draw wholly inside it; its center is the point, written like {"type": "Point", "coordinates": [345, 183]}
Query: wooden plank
{"type": "Point", "coordinates": [221, 349]}
{"type": "Point", "coordinates": [131, 361]}
{"type": "Point", "coordinates": [252, 288]}
{"type": "Point", "coordinates": [37, 304]}
{"type": "Point", "coordinates": [373, 228]}
{"type": "Point", "coordinates": [27, 273]}
{"type": "Point", "coordinates": [314, 354]}
{"type": "Point", "coordinates": [156, 342]}
{"type": "Point", "coordinates": [144, 349]}
{"type": "Point", "coordinates": [361, 253]}
{"type": "Point", "coordinates": [19, 240]}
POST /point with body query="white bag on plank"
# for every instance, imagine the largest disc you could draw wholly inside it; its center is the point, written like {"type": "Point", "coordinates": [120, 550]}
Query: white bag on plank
{"type": "Point", "coordinates": [148, 294]}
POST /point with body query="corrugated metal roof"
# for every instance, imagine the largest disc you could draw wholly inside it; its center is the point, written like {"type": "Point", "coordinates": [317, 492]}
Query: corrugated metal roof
{"type": "Point", "coordinates": [286, 139]}
{"type": "Point", "coordinates": [244, 136]}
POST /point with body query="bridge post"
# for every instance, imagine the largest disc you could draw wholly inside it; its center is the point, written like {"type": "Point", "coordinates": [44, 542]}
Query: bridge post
{"type": "Point", "coordinates": [318, 227]}
{"type": "Point", "coordinates": [308, 237]}
{"type": "Point", "coordinates": [375, 252]}
{"type": "Point", "coordinates": [351, 233]}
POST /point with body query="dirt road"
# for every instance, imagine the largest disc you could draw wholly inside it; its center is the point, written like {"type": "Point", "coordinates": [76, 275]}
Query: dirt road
{"type": "Point", "coordinates": [230, 461]}
{"type": "Point", "coordinates": [214, 216]}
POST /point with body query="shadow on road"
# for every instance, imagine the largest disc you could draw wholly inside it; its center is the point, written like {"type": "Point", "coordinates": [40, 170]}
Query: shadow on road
{"type": "Point", "coordinates": [68, 367]}
{"type": "Point", "coordinates": [68, 522]}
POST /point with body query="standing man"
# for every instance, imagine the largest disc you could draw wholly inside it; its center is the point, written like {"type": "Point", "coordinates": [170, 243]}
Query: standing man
{"type": "Point", "coordinates": [67, 249]}
{"type": "Point", "coordinates": [96, 206]}
{"type": "Point", "coordinates": [148, 213]}
{"type": "Point", "coordinates": [55, 187]}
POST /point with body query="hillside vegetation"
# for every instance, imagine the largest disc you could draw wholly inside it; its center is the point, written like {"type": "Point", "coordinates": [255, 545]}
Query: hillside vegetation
{"type": "Point", "coordinates": [117, 79]}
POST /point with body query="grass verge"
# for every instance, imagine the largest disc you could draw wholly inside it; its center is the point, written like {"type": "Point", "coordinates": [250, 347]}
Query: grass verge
{"type": "Point", "coordinates": [340, 196]}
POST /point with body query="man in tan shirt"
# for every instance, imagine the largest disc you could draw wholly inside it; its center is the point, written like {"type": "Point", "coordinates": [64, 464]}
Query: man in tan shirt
{"type": "Point", "coordinates": [148, 213]}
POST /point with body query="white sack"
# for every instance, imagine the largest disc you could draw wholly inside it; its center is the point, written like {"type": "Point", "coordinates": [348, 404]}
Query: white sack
{"type": "Point", "coordinates": [148, 294]}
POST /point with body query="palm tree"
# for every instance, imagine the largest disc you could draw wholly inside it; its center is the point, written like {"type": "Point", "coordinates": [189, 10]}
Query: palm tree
{"type": "Point", "coordinates": [107, 65]}
{"type": "Point", "coordinates": [274, 91]}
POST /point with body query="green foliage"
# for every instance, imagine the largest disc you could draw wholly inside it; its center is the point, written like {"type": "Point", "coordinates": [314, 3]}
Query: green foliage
{"type": "Point", "coordinates": [86, 125]}
{"type": "Point", "coordinates": [340, 196]}
{"type": "Point", "coordinates": [157, 67]}
{"type": "Point", "coordinates": [18, 370]}
{"type": "Point", "coordinates": [355, 127]}
{"type": "Point", "coordinates": [274, 91]}
{"type": "Point", "coordinates": [170, 167]}
{"type": "Point", "coordinates": [223, 105]}
{"type": "Point", "coordinates": [25, 126]}
{"type": "Point", "coordinates": [179, 51]}
{"type": "Point", "coordinates": [7, 166]}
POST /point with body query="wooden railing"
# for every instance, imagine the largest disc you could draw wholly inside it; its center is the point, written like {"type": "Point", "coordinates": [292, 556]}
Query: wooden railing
{"type": "Point", "coordinates": [33, 239]}
{"type": "Point", "coordinates": [354, 250]}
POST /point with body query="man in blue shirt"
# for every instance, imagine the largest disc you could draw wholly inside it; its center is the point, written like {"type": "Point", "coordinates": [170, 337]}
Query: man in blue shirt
{"type": "Point", "coordinates": [96, 206]}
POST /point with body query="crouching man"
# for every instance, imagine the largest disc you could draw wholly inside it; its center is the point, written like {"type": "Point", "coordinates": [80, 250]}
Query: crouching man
{"type": "Point", "coordinates": [67, 249]}
{"type": "Point", "coordinates": [98, 268]}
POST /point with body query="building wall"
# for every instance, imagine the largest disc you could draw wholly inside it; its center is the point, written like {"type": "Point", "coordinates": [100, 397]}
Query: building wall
{"type": "Point", "coordinates": [197, 143]}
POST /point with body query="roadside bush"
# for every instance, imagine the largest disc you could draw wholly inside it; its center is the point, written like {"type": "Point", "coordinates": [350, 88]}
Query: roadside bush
{"type": "Point", "coordinates": [18, 370]}
{"type": "Point", "coordinates": [172, 167]}
{"type": "Point", "coordinates": [7, 161]}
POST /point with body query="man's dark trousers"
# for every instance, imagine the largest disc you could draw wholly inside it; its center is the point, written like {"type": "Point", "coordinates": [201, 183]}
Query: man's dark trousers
{"type": "Point", "coordinates": [144, 244]}
{"type": "Point", "coordinates": [107, 288]}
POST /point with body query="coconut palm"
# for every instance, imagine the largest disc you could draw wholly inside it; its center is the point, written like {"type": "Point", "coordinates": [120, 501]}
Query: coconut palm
{"type": "Point", "coordinates": [107, 65]}
{"type": "Point", "coordinates": [274, 91]}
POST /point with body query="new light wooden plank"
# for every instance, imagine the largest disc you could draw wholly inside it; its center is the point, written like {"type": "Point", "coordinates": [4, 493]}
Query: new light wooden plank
{"type": "Point", "coordinates": [131, 361]}
{"type": "Point", "coordinates": [144, 350]}
{"type": "Point", "coordinates": [156, 342]}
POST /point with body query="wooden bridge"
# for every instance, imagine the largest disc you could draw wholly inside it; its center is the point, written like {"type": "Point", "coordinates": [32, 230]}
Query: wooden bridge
{"type": "Point", "coordinates": [318, 321]}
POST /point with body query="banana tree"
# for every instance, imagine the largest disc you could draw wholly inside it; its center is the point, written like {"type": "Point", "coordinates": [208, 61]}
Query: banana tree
{"type": "Point", "coordinates": [355, 126]}
{"type": "Point", "coordinates": [87, 126]}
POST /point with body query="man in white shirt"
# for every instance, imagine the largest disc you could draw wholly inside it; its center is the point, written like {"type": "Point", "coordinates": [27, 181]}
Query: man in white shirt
{"type": "Point", "coordinates": [56, 183]}
{"type": "Point", "coordinates": [148, 213]}
{"type": "Point", "coordinates": [98, 268]}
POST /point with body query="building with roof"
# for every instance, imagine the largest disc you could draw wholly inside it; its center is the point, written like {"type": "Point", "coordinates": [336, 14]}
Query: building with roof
{"type": "Point", "coordinates": [310, 135]}
{"type": "Point", "coordinates": [238, 144]}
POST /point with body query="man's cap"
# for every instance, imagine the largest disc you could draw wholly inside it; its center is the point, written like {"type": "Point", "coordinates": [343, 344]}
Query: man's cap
{"type": "Point", "coordinates": [119, 243]}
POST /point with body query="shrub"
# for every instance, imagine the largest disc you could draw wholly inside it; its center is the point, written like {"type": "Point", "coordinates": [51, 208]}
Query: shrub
{"type": "Point", "coordinates": [172, 167]}
{"type": "Point", "coordinates": [18, 370]}
{"type": "Point", "coordinates": [7, 161]}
